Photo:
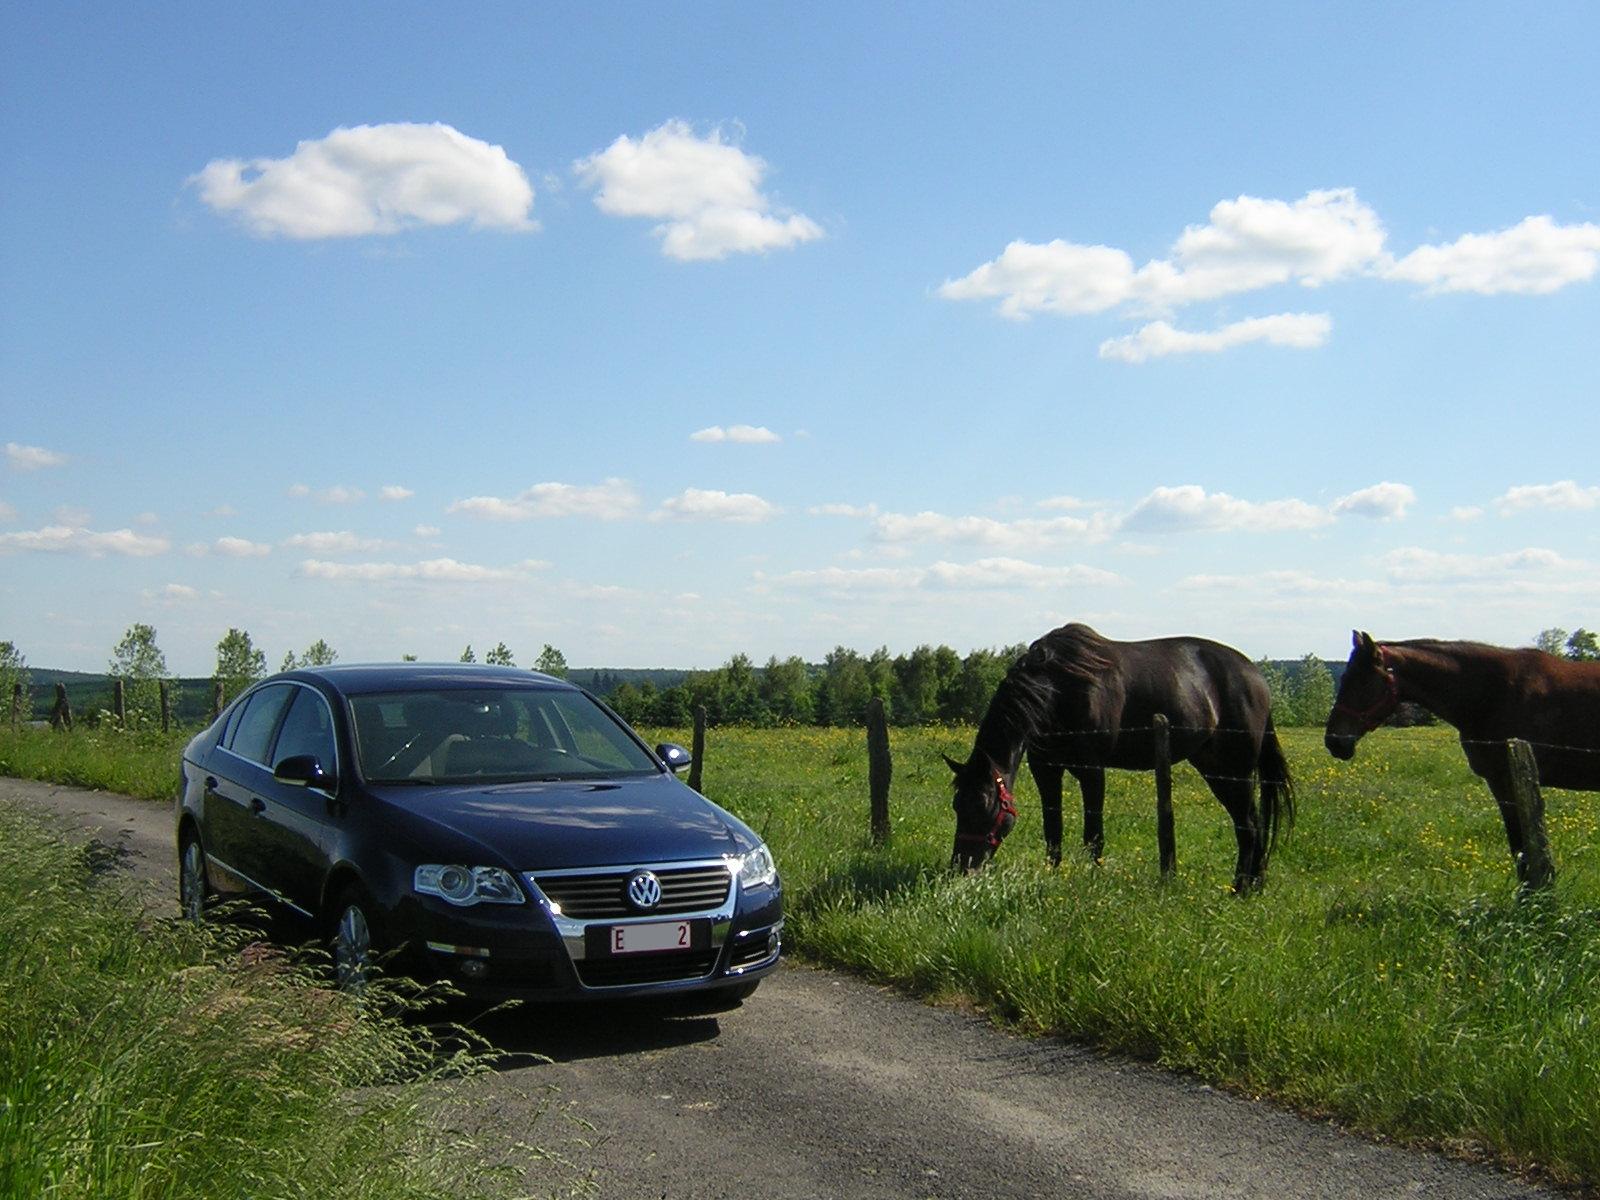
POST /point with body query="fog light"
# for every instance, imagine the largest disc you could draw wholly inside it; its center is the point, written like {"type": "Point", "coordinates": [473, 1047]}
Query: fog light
{"type": "Point", "coordinates": [474, 968]}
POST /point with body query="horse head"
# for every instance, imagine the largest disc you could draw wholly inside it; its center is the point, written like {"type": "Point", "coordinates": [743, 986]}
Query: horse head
{"type": "Point", "coordinates": [1368, 696]}
{"type": "Point", "coordinates": [985, 811]}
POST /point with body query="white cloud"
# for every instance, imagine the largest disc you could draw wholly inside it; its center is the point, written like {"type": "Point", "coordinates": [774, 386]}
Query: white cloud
{"type": "Point", "coordinates": [702, 504]}
{"type": "Point", "coordinates": [298, 490]}
{"type": "Point", "coordinates": [987, 531]}
{"type": "Point", "coordinates": [705, 192]}
{"type": "Point", "coordinates": [1413, 564]}
{"type": "Point", "coordinates": [66, 514]}
{"type": "Point", "coordinates": [32, 458]}
{"type": "Point", "coordinates": [222, 510]}
{"type": "Point", "coordinates": [237, 547]}
{"type": "Point", "coordinates": [1250, 243]}
{"type": "Point", "coordinates": [425, 531]}
{"type": "Point", "coordinates": [1466, 512]}
{"type": "Point", "coordinates": [843, 510]}
{"type": "Point", "coordinates": [1302, 331]}
{"type": "Point", "coordinates": [744, 434]}
{"type": "Point", "coordinates": [608, 501]}
{"type": "Point", "coordinates": [179, 592]}
{"type": "Point", "coordinates": [434, 570]}
{"type": "Point", "coordinates": [67, 539]}
{"type": "Point", "coordinates": [1299, 584]}
{"type": "Point", "coordinates": [1534, 257]}
{"type": "Point", "coordinates": [1382, 501]}
{"type": "Point", "coordinates": [1565, 496]}
{"type": "Point", "coordinates": [1190, 508]}
{"type": "Point", "coordinates": [372, 179]}
{"type": "Point", "coordinates": [1002, 573]}
{"type": "Point", "coordinates": [395, 492]}
{"type": "Point", "coordinates": [333, 542]}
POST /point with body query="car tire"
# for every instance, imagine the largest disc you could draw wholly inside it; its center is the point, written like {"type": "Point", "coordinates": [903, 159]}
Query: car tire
{"type": "Point", "coordinates": [354, 941]}
{"type": "Point", "coordinates": [194, 891]}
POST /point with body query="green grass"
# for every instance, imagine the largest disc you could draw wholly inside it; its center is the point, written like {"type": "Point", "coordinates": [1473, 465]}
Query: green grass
{"type": "Point", "coordinates": [156, 1060]}
{"type": "Point", "coordinates": [1388, 976]}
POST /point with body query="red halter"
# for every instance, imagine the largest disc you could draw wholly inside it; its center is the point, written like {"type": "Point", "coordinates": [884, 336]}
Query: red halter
{"type": "Point", "coordinates": [1007, 808]}
{"type": "Point", "coordinates": [1378, 712]}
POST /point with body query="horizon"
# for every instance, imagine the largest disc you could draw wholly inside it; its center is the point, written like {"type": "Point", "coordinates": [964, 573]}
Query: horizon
{"type": "Point", "coordinates": [675, 333]}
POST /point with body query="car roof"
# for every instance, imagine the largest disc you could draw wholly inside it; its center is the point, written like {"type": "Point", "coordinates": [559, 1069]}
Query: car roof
{"type": "Point", "coordinates": [356, 678]}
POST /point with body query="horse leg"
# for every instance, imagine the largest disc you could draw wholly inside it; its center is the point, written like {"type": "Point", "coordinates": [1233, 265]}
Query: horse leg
{"type": "Point", "coordinates": [1092, 783]}
{"type": "Point", "coordinates": [1498, 778]}
{"type": "Point", "coordinates": [1047, 778]}
{"type": "Point", "coordinates": [1238, 796]}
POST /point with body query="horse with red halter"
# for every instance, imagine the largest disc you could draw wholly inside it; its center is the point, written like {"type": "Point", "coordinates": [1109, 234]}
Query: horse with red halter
{"type": "Point", "coordinates": [1490, 695]}
{"type": "Point", "coordinates": [1077, 702]}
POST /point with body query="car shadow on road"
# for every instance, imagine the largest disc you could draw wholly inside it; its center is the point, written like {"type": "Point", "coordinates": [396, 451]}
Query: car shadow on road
{"type": "Point", "coordinates": [527, 1034]}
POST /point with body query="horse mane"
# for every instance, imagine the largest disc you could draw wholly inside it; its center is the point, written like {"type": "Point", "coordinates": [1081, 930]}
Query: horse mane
{"type": "Point", "coordinates": [1024, 703]}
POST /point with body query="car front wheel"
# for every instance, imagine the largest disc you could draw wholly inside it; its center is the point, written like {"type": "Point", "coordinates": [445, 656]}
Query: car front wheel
{"type": "Point", "coordinates": [193, 890]}
{"type": "Point", "coordinates": [353, 940]}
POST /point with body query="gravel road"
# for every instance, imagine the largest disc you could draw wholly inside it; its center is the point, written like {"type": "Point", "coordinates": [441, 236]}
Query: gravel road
{"type": "Point", "coordinates": [824, 1086]}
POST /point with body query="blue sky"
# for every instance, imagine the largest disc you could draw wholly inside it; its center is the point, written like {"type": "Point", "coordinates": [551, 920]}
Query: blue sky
{"type": "Point", "coordinates": [668, 332]}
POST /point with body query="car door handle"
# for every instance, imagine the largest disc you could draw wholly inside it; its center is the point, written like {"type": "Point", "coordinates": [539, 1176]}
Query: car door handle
{"type": "Point", "coordinates": [257, 805]}
{"type": "Point", "coordinates": [211, 783]}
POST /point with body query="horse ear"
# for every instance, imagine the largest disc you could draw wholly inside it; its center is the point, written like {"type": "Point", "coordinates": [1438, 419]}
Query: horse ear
{"type": "Point", "coordinates": [1355, 639]}
{"type": "Point", "coordinates": [1368, 644]}
{"type": "Point", "coordinates": [952, 763]}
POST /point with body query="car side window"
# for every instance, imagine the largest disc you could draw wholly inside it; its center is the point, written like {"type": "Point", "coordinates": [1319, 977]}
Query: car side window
{"type": "Point", "coordinates": [308, 729]}
{"type": "Point", "coordinates": [252, 732]}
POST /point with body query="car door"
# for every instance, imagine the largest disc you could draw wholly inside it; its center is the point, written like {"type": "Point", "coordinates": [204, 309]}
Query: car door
{"type": "Point", "coordinates": [235, 788]}
{"type": "Point", "coordinates": [293, 828]}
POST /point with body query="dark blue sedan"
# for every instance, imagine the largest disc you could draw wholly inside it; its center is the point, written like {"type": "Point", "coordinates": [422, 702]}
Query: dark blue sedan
{"type": "Point", "coordinates": [493, 826]}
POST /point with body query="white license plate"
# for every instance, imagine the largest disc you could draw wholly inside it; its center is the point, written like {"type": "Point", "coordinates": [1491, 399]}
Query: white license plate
{"type": "Point", "coordinates": [665, 935]}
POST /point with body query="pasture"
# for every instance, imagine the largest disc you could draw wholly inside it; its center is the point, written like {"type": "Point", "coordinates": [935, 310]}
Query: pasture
{"type": "Point", "coordinates": [1388, 976]}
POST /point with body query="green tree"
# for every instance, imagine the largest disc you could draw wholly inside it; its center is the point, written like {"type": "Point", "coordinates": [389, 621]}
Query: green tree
{"type": "Point", "coordinates": [467, 655]}
{"type": "Point", "coordinates": [14, 670]}
{"type": "Point", "coordinates": [139, 663]}
{"type": "Point", "coordinates": [500, 656]}
{"type": "Point", "coordinates": [1313, 691]}
{"type": "Point", "coordinates": [1583, 646]}
{"type": "Point", "coordinates": [239, 663]}
{"type": "Point", "coordinates": [551, 661]}
{"type": "Point", "coordinates": [786, 691]}
{"type": "Point", "coordinates": [1278, 683]}
{"type": "Point", "coordinates": [319, 654]}
{"type": "Point", "coordinates": [844, 689]}
{"type": "Point", "coordinates": [288, 663]}
{"type": "Point", "coordinates": [1551, 641]}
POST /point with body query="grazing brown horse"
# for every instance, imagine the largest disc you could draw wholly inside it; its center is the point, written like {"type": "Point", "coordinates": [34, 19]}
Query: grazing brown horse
{"type": "Point", "coordinates": [1490, 695]}
{"type": "Point", "coordinates": [1077, 702]}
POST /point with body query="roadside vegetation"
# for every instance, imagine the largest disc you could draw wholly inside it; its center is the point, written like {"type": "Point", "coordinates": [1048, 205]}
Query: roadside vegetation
{"type": "Point", "coordinates": [1388, 977]}
{"type": "Point", "coordinates": [148, 1058]}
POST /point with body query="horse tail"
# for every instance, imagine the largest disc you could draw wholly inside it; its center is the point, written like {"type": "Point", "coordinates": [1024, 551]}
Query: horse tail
{"type": "Point", "coordinates": [1277, 789]}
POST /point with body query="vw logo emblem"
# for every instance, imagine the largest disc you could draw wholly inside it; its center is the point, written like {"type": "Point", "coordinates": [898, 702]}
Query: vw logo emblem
{"type": "Point", "coordinates": [644, 890]}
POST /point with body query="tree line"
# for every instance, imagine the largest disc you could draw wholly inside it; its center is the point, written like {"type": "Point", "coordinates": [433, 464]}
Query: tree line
{"type": "Point", "coordinates": [929, 685]}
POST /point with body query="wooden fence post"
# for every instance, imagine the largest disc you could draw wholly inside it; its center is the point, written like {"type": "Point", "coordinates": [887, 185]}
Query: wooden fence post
{"type": "Point", "coordinates": [698, 750]}
{"type": "Point", "coordinates": [1162, 736]}
{"type": "Point", "coordinates": [880, 768]}
{"type": "Point", "coordinates": [16, 705]}
{"type": "Point", "coordinates": [216, 699]}
{"type": "Point", "coordinates": [166, 706]}
{"type": "Point", "coordinates": [1534, 868]}
{"type": "Point", "coordinates": [119, 701]}
{"type": "Point", "coordinates": [61, 714]}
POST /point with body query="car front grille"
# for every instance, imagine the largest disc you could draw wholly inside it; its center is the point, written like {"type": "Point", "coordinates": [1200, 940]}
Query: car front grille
{"type": "Point", "coordinates": [604, 894]}
{"type": "Point", "coordinates": [646, 968]}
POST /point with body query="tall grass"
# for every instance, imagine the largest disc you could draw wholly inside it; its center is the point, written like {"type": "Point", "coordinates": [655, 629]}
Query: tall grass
{"type": "Point", "coordinates": [155, 1060]}
{"type": "Point", "coordinates": [1388, 975]}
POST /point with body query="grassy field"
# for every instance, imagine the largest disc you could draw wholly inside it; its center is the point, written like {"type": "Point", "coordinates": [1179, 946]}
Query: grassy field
{"type": "Point", "coordinates": [1388, 976]}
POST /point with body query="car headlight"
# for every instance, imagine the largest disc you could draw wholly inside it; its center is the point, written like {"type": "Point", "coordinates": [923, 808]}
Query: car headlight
{"type": "Point", "coordinates": [464, 886]}
{"type": "Point", "coordinates": [756, 869]}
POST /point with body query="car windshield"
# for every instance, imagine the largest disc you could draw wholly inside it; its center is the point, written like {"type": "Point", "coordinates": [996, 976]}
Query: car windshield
{"type": "Point", "coordinates": [491, 734]}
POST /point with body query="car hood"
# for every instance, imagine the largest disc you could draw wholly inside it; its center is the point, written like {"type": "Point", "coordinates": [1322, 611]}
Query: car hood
{"type": "Point", "coordinates": [542, 826]}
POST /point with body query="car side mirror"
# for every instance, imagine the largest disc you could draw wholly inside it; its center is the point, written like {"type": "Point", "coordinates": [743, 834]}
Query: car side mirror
{"type": "Point", "coordinates": [675, 756]}
{"type": "Point", "coordinates": [303, 770]}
